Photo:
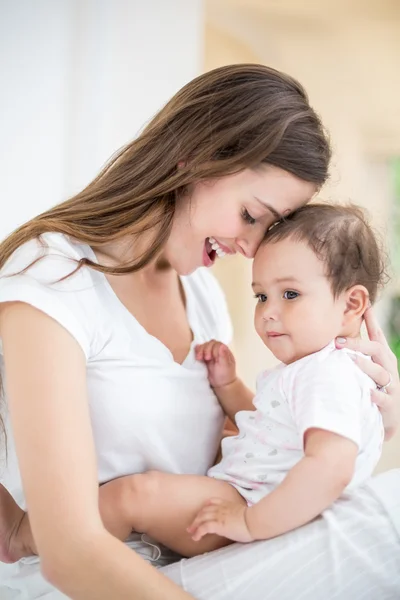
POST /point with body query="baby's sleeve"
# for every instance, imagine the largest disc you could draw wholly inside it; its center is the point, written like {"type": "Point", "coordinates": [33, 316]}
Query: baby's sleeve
{"type": "Point", "coordinates": [328, 395]}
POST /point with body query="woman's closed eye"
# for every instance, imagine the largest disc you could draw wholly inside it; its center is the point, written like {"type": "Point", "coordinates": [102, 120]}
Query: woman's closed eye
{"type": "Point", "coordinates": [247, 217]}
{"type": "Point", "coordinates": [290, 295]}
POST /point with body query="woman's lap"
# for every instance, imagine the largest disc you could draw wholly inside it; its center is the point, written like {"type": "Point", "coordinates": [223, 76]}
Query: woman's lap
{"type": "Point", "coordinates": [351, 552]}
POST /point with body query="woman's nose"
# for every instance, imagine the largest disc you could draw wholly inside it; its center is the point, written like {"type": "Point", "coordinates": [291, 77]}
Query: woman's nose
{"type": "Point", "coordinates": [248, 245]}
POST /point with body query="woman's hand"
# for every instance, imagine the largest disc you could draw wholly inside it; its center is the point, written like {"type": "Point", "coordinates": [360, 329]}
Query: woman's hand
{"type": "Point", "coordinates": [382, 369]}
{"type": "Point", "coordinates": [221, 517]}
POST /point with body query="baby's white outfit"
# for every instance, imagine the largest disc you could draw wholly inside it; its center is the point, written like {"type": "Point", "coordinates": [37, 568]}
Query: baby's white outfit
{"type": "Point", "coordinates": [325, 390]}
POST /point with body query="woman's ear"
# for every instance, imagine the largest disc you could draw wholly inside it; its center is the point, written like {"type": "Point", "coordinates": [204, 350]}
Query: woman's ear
{"type": "Point", "coordinates": [357, 302]}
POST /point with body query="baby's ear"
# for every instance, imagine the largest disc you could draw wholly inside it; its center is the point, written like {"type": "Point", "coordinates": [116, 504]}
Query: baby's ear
{"type": "Point", "coordinates": [357, 302]}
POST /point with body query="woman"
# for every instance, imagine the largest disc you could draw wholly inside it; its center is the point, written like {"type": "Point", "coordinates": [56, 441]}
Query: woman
{"type": "Point", "coordinates": [101, 376]}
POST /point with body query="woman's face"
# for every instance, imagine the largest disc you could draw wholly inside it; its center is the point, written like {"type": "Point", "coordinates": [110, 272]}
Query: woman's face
{"type": "Point", "coordinates": [223, 216]}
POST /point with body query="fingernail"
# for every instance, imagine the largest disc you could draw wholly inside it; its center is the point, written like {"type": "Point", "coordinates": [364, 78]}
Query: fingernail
{"type": "Point", "coordinates": [341, 340]}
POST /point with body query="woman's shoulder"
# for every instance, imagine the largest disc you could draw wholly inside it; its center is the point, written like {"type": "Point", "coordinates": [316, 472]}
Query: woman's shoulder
{"type": "Point", "coordinates": [47, 245]}
{"type": "Point", "coordinates": [48, 259]}
{"type": "Point", "coordinates": [45, 274]}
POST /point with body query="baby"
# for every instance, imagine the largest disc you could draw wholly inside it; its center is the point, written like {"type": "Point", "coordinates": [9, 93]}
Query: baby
{"type": "Point", "coordinates": [309, 434]}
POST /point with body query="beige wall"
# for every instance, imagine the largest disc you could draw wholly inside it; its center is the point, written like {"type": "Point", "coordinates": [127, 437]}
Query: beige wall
{"type": "Point", "coordinates": [347, 57]}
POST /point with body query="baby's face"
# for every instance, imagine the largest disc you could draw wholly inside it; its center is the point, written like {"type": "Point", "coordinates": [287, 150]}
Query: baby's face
{"type": "Point", "coordinates": [296, 313]}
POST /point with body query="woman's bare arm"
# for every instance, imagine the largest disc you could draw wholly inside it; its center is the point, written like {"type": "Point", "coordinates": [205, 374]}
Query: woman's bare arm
{"type": "Point", "coordinates": [46, 385]}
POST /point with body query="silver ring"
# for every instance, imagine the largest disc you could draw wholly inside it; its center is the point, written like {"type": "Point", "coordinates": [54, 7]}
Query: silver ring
{"type": "Point", "coordinates": [383, 388]}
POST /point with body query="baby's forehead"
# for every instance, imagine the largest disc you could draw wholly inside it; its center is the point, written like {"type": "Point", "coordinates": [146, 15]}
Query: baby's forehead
{"type": "Point", "coordinates": [288, 258]}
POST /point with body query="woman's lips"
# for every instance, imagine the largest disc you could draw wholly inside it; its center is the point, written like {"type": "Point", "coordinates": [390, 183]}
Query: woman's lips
{"type": "Point", "coordinates": [224, 248]}
{"type": "Point", "coordinates": [208, 260]}
{"type": "Point", "coordinates": [213, 248]}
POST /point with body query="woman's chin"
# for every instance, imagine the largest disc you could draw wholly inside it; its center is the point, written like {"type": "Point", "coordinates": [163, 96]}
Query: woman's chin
{"type": "Point", "coordinates": [185, 268]}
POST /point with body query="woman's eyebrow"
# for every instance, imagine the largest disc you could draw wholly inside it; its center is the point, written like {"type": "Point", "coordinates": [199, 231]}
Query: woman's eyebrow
{"type": "Point", "coordinates": [271, 209]}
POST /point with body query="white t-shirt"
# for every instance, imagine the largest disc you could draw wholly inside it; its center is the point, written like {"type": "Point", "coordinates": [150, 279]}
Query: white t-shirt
{"type": "Point", "coordinates": [147, 411]}
{"type": "Point", "coordinates": [325, 390]}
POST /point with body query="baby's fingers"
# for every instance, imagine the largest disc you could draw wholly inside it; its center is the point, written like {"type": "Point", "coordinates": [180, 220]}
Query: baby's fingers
{"type": "Point", "coordinates": [204, 529]}
{"type": "Point", "coordinates": [205, 522]}
{"type": "Point", "coordinates": [204, 351]}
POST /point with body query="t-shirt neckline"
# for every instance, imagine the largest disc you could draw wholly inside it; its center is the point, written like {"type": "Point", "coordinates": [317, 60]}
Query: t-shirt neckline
{"type": "Point", "coordinates": [130, 319]}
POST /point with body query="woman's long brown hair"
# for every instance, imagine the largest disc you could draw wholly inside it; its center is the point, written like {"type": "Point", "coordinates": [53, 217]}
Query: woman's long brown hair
{"type": "Point", "coordinates": [231, 118]}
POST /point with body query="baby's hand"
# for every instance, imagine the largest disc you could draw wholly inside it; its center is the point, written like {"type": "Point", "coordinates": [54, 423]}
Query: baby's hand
{"type": "Point", "coordinates": [220, 362]}
{"type": "Point", "coordinates": [227, 519]}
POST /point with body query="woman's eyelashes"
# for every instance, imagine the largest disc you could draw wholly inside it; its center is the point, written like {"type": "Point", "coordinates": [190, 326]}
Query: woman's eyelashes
{"type": "Point", "coordinates": [247, 217]}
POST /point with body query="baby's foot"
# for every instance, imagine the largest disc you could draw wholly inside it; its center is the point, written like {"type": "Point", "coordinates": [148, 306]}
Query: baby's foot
{"type": "Point", "coordinates": [12, 546]}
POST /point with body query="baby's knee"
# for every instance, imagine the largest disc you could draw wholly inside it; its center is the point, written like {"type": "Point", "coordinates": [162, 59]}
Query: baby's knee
{"type": "Point", "coordinates": [140, 494]}
{"type": "Point", "coordinates": [144, 486]}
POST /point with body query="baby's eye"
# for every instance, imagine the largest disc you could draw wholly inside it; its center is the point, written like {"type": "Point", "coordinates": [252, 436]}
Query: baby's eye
{"type": "Point", "coordinates": [290, 295]}
{"type": "Point", "coordinates": [261, 297]}
{"type": "Point", "coordinates": [247, 217]}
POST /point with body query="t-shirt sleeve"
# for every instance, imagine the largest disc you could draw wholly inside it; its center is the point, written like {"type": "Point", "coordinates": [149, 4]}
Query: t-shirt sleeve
{"type": "Point", "coordinates": [328, 395]}
{"type": "Point", "coordinates": [49, 286]}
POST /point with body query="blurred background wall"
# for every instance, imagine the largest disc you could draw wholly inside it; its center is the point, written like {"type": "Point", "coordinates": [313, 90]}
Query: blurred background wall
{"type": "Point", "coordinates": [81, 77]}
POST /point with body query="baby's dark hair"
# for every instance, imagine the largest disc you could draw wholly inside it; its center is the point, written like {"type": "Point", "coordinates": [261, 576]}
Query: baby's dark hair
{"type": "Point", "coordinates": [342, 239]}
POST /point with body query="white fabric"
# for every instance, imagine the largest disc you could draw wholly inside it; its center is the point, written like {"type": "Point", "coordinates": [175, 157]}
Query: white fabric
{"type": "Point", "coordinates": [147, 411]}
{"type": "Point", "coordinates": [350, 552]}
{"type": "Point", "coordinates": [325, 390]}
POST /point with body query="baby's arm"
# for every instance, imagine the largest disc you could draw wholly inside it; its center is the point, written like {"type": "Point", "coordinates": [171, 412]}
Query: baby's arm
{"type": "Point", "coordinates": [326, 401]}
{"type": "Point", "coordinates": [312, 485]}
{"type": "Point", "coordinates": [231, 392]}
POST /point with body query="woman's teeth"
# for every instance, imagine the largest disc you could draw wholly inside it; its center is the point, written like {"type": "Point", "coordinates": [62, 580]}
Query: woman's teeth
{"type": "Point", "coordinates": [215, 246]}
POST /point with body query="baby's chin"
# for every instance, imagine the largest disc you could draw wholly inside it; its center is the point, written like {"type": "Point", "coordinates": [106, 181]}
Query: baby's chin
{"type": "Point", "coordinates": [288, 359]}
{"type": "Point", "coordinates": [283, 355]}
{"type": "Point", "coordinates": [288, 356]}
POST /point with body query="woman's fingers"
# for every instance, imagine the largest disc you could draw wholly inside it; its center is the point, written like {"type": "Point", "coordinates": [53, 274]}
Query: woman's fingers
{"type": "Point", "coordinates": [374, 349]}
{"type": "Point", "coordinates": [388, 407]}
{"type": "Point", "coordinates": [381, 399]}
{"type": "Point", "coordinates": [383, 369]}
{"type": "Point", "coordinates": [374, 370]}
{"type": "Point", "coordinates": [374, 330]}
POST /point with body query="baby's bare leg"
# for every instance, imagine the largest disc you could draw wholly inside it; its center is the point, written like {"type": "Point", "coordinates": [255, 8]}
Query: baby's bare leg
{"type": "Point", "coordinates": [159, 504]}
{"type": "Point", "coordinates": [164, 505]}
